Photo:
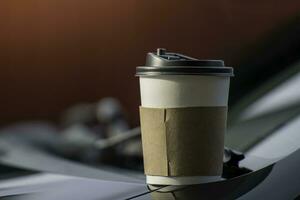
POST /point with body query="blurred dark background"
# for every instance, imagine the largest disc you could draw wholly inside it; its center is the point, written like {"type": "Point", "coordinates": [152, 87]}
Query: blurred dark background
{"type": "Point", "coordinates": [55, 53]}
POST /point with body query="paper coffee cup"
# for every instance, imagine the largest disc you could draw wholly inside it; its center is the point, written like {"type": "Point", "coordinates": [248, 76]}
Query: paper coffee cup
{"type": "Point", "coordinates": [183, 118]}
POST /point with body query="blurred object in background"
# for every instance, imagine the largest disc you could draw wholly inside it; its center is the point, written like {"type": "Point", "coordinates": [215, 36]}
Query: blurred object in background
{"type": "Point", "coordinates": [99, 132]}
{"type": "Point", "coordinates": [84, 113]}
{"type": "Point", "coordinates": [96, 134]}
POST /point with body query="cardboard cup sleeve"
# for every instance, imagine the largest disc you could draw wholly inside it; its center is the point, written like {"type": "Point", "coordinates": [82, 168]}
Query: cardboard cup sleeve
{"type": "Point", "coordinates": [183, 141]}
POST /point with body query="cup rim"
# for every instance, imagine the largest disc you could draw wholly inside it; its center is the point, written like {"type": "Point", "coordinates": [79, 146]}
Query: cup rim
{"type": "Point", "coordinates": [184, 70]}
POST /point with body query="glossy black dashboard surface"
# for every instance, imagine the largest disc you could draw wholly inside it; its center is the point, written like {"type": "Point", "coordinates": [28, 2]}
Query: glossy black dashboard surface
{"type": "Point", "coordinates": [276, 181]}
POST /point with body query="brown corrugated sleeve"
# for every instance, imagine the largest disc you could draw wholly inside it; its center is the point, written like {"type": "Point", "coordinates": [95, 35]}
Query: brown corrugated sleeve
{"type": "Point", "coordinates": [183, 141]}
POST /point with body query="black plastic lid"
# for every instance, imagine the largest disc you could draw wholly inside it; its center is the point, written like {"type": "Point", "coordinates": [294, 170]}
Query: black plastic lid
{"type": "Point", "coordinates": [166, 63]}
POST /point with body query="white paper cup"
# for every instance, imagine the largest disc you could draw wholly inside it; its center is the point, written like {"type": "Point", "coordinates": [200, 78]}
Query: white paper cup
{"type": "Point", "coordinates": [168, 87]}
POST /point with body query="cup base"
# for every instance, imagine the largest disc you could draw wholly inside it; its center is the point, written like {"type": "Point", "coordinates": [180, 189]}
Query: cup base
{"type": "Point", "coordinates": [184, 180]}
